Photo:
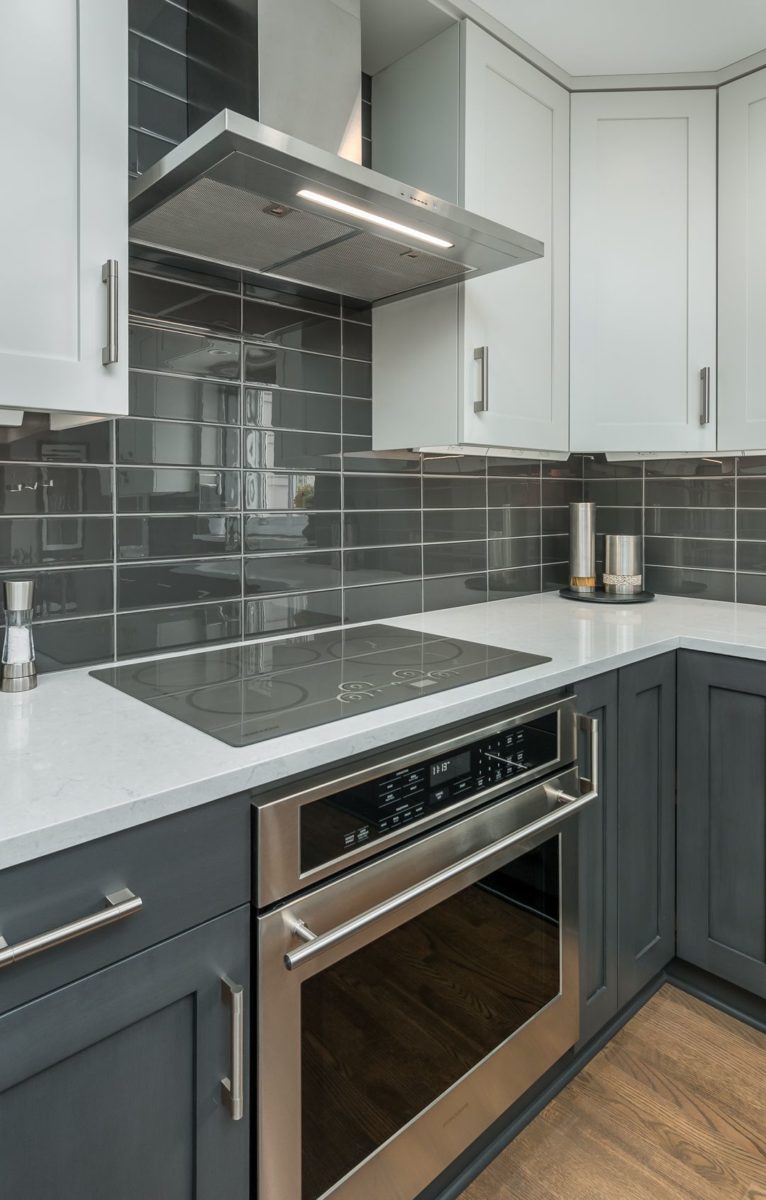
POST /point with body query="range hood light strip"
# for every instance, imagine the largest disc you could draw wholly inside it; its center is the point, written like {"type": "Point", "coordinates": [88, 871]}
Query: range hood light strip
{"type": "Point", "coordinates": [374, 219]}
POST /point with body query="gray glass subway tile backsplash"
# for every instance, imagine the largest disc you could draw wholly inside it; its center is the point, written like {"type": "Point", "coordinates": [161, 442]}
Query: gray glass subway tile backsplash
{"type": "Point", "coordinates": [225, 507]}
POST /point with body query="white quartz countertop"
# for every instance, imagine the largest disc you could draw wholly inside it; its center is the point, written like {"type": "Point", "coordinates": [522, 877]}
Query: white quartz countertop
{"type": "Point", "coordinates": [80, 760]}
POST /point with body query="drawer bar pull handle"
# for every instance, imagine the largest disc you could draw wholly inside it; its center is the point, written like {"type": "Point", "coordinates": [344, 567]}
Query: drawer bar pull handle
{"type": "Point", "coordinates": [118, 906]}
{"type": "Point", "coordinates": [233, 1089]}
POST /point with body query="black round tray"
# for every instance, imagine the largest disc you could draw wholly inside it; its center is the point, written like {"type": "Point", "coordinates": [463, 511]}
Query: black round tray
{"type": "Point", "coordinates": [602, 597]}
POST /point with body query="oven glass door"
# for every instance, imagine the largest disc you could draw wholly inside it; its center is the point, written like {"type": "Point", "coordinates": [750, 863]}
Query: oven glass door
{"type": "Point", "coordinates": [388, 1029]}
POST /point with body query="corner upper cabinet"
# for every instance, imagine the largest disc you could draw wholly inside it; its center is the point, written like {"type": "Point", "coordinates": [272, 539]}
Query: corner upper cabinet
{"type": "Point", "coordinates": [742, 263]}
{"type": "Point", "coordinates": [643, 295]}
{"type": "Point", "coordinates": [63, 205]}
{"type": "Point", "coordinates": [465, 118]}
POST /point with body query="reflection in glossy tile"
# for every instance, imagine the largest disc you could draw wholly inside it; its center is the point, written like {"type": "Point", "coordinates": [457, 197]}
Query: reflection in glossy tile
{"type": "Point", "coordinates": [291, 490]}
{"type": "Point", "coordinates": [298, 451]}
{"type": "Point", "coordinates": [173, 489]}
{"type": "Point", "coordinates": [454, 558]}
{"type": "Point", "coordinates": [515, 522]}
{"type": "Point", "coordinates": [383, 600]}
{"type": "Point", "coordinates": [695, 522]}
{"type": "Point", "coordinates": [291, 329]}
{"type": "Point", "coordinates": [35, 442]}
{"type": "Point", "coordinates": [292, 613]}
{"type": "Point", "coordinates": [382, 528]}
{"type": "Point", "coordinates": [302, 530]}
{"type": "Point", "coordinates": [357, 378]}
{"type": "Point", "coordinates": [615, 492]}
{"type": "Point", "coordinates": [54, 541]}
{"type": "Point", "coordinates": [292, 572]}
{"type": "Point", "coordinates": [518, 493]}
{"type": "Point", "coordinates": [183, 304]}
{"type": "Point", "coordinates": [690, 552]}
{"type": "Point", "coordinates": [172, 443]}
{"type": "Point", "coordinates": [359, 456]}
{"type": "Point", "coordinates": [183, 353]}
{"type": "Point", "coordinates": [378, 491]}
{"type": "Point", "coordinates": [454, 492]}
{"type": "Point", "coordinates": [454, 591]}
{"type": "Point", "coordinates": [682, 493]}
{"type": "Point", "coordinates": [179, 399]}
{"type": "Point", "coordinates": [76, 593]}
{"type": "Point", "coordinates": [61, 645]}
{"type": "Point", "coordinates": [513, 552]}
{"type": "Point", "coordinates": [28, 490]}
{"type": "Point", "coordinates": [684, 581]}
{"type": "Point", "coordinates": [357, 341]}
{"type": "Point", "coordinates": [177, 537]}
{"type": "Point", "coordinates": [382, 565]}
{"type": "Point", "coordinates": [292, 369]}
{"type": "Point", "coordinates": [149, 585]}
{"type": "Point", "coordinates": [270, 408]}
{"type": "Point", "coordinates": [178, 628]}
{"type": "Point", "coordinates": [504, 585]}
{"type": "Point", "coordinates": [448, 525]}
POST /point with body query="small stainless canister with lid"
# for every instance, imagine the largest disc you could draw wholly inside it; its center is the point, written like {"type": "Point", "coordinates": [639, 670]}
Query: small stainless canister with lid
{"type": "Point", "coordinates": [582, 547]}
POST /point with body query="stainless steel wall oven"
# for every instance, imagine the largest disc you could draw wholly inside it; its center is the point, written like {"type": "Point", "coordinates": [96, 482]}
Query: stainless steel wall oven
{"type": "Point", "coordinates": [417, 951]}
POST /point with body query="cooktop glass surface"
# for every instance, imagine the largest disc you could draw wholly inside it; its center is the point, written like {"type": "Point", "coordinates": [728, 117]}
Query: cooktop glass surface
{"type": "Point", "coordinates": [246, 694]}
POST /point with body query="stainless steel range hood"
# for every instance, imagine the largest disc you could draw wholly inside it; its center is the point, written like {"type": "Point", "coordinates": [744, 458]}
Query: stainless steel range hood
{"type": "Point", "coordinates": [243, 193]}
{"type": "Point", "coordinates": [235, 193]}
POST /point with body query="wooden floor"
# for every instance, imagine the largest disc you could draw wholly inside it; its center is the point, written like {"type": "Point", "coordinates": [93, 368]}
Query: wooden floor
{"type": "Point", "coordinates": [673, 1108]}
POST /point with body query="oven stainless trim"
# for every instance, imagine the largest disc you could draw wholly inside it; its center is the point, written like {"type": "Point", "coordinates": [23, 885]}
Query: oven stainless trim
{"type": "Point", "coordinates": [418, 1152]}
{"type": "Point", "coordinates": [278, 813]}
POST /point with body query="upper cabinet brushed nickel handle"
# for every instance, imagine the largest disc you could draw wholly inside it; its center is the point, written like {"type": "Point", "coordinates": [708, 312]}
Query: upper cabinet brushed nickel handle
{"type": "Point", "coordinates": [110, 276]}
{"type": "Point", "coordinates": [481, 354]}
{"type": "Point", "coordinates": [233, 1089]}
{"type": "Point", "coordinates": [118, 906]}
{"type": "Point", "coordinates": [705, 398]}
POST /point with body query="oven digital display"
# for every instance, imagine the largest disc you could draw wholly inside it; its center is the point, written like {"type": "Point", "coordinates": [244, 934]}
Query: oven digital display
{"type": "Point", "coordinates": [450, 768]}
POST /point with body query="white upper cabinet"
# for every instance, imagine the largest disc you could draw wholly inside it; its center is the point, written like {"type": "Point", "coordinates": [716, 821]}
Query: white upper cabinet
{"type": "Point", "coordinates": [643, 292]}
{"type": "Point", "coordinates": [64, 205]}
{"type": "Point", "coordinates": [742, 264]}
{"type": "Point", "coordinates": [483, 363]}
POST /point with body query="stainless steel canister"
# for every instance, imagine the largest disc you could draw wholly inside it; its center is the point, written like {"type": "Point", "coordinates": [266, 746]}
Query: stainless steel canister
{"type": "Point", "coordinates": [582, 547]}
{"type": "Point", "coordinates": [623, 567]}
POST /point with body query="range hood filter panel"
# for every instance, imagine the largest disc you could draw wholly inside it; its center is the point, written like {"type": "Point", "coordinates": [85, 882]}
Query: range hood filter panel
{"type": "Point", "coordinates": [373, 268]}
{"type": "Point", "coordinates": [216, 220]}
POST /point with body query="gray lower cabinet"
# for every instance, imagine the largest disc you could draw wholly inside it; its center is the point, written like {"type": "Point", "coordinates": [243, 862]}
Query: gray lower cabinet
{"type": "Point", "coordinates": [646, 822]}
{"type": "Point", "coordinates": [111, 1085]}
{"type": "Point", "coordinates": [627, 839]}
{"type": "Point", "coordinates": [598, 874]}
{"type": "Point", "coordinates": [722, 817]}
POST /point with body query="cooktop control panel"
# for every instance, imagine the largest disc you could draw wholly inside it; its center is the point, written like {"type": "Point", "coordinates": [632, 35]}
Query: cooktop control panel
{"type": "Point", "coordinates": [349, 819]}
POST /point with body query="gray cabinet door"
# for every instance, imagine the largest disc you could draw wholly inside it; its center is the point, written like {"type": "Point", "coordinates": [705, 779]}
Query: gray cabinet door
{"type": "Point", "coordinates": [722, 817]}
{"type": "Point", "coordinates": [111, 1086]}
{"type": "Point", "coordinates": [646, 822]}
{"type": "Point", "coordinates": [598, 873]}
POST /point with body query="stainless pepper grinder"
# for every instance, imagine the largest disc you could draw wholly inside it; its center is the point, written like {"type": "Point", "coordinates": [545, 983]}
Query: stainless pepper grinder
{"type": "Point", "coordinates": [18, 672]}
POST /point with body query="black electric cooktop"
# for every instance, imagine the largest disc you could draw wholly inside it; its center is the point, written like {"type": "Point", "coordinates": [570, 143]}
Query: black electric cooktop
{"type": "Point", "coordinates": [246, 694]}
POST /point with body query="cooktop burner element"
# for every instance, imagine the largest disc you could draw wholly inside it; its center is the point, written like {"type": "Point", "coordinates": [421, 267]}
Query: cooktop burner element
{"type": "Point", "coordinates": [246, 694]}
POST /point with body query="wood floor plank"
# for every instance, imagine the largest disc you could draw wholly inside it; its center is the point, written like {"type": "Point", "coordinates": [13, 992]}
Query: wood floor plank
{"type": "Point", "coordinates": [673, 1108]}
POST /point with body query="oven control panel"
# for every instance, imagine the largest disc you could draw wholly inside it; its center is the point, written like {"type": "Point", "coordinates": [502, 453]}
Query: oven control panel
{"type": "Point", "coordinates": [352, 818]}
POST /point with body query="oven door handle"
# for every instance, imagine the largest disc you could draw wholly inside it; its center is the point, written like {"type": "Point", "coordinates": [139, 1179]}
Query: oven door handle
{"type": "Point", "coordinates": [566, 806]}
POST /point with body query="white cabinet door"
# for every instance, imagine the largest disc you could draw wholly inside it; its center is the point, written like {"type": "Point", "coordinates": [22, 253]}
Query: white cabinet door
{"type": "Point", "coordinates": [742, 264]}
{"type": "Point", "coordinates": [508, 126]}
{"type": "Point", "coordinates": [517, 172]}
{"type": "Point", "coordinates": [63, 202]}
{"type": "Point", "coordinates": [643, 263]}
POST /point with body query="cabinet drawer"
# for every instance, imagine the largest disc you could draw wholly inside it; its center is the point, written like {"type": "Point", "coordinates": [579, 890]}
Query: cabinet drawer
{"type": "Point", "coordinates": [186, 869]}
